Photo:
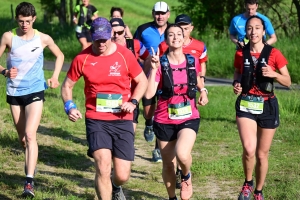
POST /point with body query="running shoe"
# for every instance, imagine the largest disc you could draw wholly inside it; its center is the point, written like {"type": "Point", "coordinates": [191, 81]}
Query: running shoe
{"type": "Point", "coordinates": [149, 134]}
{"type": "Point", "coordinates": [118, 195]}
{"type": "Point", "coordinates": [178, 180]}
{"type": "Point", "coordinates": [186, 190]}
{"type": "Point", "coordinates": [156, 157]}
{"type": "Point", "coordinates": [28, 190]}
{"type": "Point", "coordinates": [259, 196]}
{"type": "Point", "coordinates": [246, 192]}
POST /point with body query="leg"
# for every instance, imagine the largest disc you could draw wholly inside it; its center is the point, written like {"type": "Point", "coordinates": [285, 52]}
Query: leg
{"type": "Point", "coordinates": [121, 171]}
{"type": "Point", "coordinates": [103, 185]}
{"type": "Point", "coordinates": [83, 42]}
{"type": "Point", "coordinates": [264, 141]}
{"type": "Point", "coordinates": [167, 150]}
{"type": "Point", "coordinates": [18, 114]}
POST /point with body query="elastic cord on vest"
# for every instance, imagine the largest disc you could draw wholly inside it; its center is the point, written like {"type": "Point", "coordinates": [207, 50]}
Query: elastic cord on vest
{"type": "Point", "coordinates": [69, 105]}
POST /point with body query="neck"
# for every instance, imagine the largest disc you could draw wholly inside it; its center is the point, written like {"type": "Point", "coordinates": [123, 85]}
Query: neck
{"type": "Point", "coordinates": [175, 56]}
{"type": "Point", "coordinates": [187, 41]}
{"type": "Point", "coordinates": [110, 50]}
{"type": "Point", "coordinates": [256, 48]}
{"type": "Point", "coordinates": [26, 36]}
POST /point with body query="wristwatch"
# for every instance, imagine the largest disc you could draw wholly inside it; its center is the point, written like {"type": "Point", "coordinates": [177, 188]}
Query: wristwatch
{"type": "Point", "coordinates": [3, 72]}
{"type": "Point", "coordinates": [203, 78]}
{"type": "Point", "coordinates": [134, 102]}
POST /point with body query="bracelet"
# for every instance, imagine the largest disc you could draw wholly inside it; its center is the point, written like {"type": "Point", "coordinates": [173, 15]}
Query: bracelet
{"type": "Point", "coordinates": [69, 105]}
{"type": "Point", "coordinates": [235, 81]}
{"type": "Point", "coordinates": [204, 89]}
{"type": "Point", "coordinates": [203, 78]}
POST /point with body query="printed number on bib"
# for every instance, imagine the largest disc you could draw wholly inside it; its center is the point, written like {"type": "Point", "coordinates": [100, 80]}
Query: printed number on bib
{"type": "Point", "coordinates": [109, 103]}
{"type": "Point", "coordinates": [253, 105]}
{"type": "Point", "coordinates": [180, 110]}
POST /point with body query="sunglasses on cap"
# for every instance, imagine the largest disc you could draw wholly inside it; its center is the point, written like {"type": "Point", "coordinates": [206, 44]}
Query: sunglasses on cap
{"type": "Point", "coordinates": [119, 32]}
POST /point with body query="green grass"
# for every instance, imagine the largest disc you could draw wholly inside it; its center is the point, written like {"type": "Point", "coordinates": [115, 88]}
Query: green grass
{"type": "Point", "coordinates": [65, 172]}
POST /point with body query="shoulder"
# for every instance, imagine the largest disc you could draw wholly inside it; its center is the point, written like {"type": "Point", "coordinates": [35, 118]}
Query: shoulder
{"type": "Point", "coordinates": [276, 52]}
{"type": "Point", "coordinates": [144, 26]}
{"type": "Point", "coordinates": [46, 39]}
{"type": "Point", "coordinates": [92, 7]}
{"type": "Point", "coordinates": [197, 42]}
{"type": "Point", "coordinates": [265, 18]}
{"type": "Point", "coordinates": [7, 36]}
{"type": "Point", "coordinates": [237, 17]}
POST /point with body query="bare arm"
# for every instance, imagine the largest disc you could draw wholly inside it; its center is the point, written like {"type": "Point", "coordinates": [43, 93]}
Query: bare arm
{"type": "Point", "coordinates": [128, 32]}
{"type": "Point", "coordinates": [283, 77]}
{"type": "Point", "coordinates": [203, 72]}
{"type": "Point", "coordinates": [6, 38]}
{"type": "Point", "coordinates": [272, 39]}
{"type": "Point", "coordinates": [152, 84]}
{"type": "Point", "coordinates": [141, 86]}
{"type": "Point", "coordinates": [48, 42]}
{"type": "Point", "coordinates": [235, 41]}
{"type": "Point", "coordinates": [237, 89]}
{"type": "Point", "coordinates": [94, 16]}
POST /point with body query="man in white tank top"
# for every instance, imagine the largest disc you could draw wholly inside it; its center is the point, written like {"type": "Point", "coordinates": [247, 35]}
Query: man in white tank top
{"type": "Point", "coordinates": [26, 83]}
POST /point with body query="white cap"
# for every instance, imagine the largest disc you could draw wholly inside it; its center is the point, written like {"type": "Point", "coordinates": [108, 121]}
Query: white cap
{"type": "Point", "coordinates": [161, 6]}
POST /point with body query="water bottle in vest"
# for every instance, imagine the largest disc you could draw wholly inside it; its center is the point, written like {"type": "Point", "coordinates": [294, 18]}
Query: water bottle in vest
{"type": "Point", "coordinates": [246, 77]}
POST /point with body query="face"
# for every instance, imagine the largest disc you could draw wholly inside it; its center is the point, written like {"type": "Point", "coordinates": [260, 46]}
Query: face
{"type": "Point", "coordinates": [85, 2]}
{"type": "Point", "coordinates": [175, 37]}
{"type": "Point", "coordinates": [101, 46]}
{"type": "Point", "coordinates": [25, 23]}
{"type": "Point", "coordinates": [187, 29]}
{"type": "Point", "coordinates": [255, 31]}
{"type": "Point", "coordinates": [251, 9]}
{"type": "Point", "coordinates": [161, 18]}
{"type": "Point", "coordinates": [118, 34]}
{"type": "Point", "coordinates": [116, 14]}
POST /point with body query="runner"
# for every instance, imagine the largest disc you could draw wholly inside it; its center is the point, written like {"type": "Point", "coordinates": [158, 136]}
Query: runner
{"type": "Point", "coordinates": [257, 112]}
{"type": "Point", "coordinates": [25, 83]}
{"type": "Point", "coordinates": [176, 119]}
{"type": "Point", "coordinates": [190, 46]}
{"type": "Point", "coordinates": [83, 16]}
{"type": "Point", "coordinates": [237, 26]}
{"type": "Point", "coordinates": [151, 34]}
{"type": "Point", "coordinates": [137, 48]}
{"type": "Point", "coordinates": [116, 12]}
{"type": "Point", "coordinates": [109, 106]}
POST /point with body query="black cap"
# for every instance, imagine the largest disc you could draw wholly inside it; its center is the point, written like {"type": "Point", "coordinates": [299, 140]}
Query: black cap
{"type": "Point", "coordinates": [183, 19]}
{"type": "Point", "coordinates": [117, 22]}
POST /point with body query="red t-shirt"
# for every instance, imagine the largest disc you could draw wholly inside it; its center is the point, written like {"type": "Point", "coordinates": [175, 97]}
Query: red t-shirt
{"type": "Point", "coordinates": [179, 77]}
{"type": "Point", "coordinates": [276, 61]}
{"type": "Point", "coordinates": [110, 74]}
{"type": "Point", "coordinates": [195, 48]}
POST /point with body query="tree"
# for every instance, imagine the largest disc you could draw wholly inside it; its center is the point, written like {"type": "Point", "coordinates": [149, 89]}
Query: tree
{"type": "Point", "coordinates": [55, 8]}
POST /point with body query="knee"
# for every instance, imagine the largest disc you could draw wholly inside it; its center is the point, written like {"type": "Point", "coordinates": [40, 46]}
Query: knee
{"type": "Point", "coordinates": [183, 159]}
{"type": "Point", "coordinates": [23, 142]}
{"type": "Point", "coordinates": [261, 156]}
{"type": "Point", "coordinates": [30, 137]}
{"type": "Point", "coordinates": [249, 152]}
{"type": "Point", "coordinates": [122, 178]}
{"type": "Point", "coordinates": [168, 166]}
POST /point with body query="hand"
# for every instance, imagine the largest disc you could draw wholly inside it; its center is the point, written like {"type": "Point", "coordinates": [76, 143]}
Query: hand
{"type": "Point", "coordinates": [128, 107]}
{"type": "Point", "coordinates": [267, 71]}
{"type": "Point", "coordinates": [237, 89]}
{"type": "Point", "coordinates": [74, 115]}
{"type": "Point", "coordinates": [240, 44]}
{"type": "Point", "coordinates": [203, 100]}
{"type": "Point", "coordinates": [155, 58]}
{"type": "Point", "coordinates": [12, 73]}
{"type": "Point", "coordinates": [53, 82]}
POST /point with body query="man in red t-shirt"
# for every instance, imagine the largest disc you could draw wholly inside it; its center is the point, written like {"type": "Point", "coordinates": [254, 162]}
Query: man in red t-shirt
{"type": "Point", "coordinates": [137, 48]}
{"type": "Point", "coordinates": [107, 69]}
{"type": "Point", "coordinates": [191, 46]}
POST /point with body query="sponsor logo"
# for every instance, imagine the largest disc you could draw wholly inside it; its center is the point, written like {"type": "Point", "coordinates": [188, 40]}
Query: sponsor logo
{"type": "Point", "coordinates": [36, 98]}
{"type": "Point", "coordinates": [193, 51]}
{"type": "Point", "coordinates": [94, 63]}
{"type": "Point", "coordinates": [115, 70]}
{"type": "Point", "coordinates": [35, 48]}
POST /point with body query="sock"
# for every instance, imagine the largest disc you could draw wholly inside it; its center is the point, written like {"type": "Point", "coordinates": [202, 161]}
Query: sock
{"type": "Point", "coordinates": [249, 182]}
{"type": "Point", "coordinates": [178, 171]}
{"type": "Point", "coordinates": [173, 198]}
{"type": "Point", "coordinates": [185, 177]}
{"type": "Point", "coordinates": [149, 122]}
{"type": "Point", "coordinates": [29, 179]}
{"type": "Point", "coordinates": [116, 188]}
{"type": "Point", "coordinates": [156, 144]}
{"type": "Point", "coordinates": [257, 191]}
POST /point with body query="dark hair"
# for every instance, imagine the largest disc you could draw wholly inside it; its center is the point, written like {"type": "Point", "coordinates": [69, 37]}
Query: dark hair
{"type": "Point", "coordinates": [262, 22]}
{"type": "Point", "coordinates": [170, 26]}
{"type": "Point", "coordinates": [25, 9]}
{"type": "Point", "coordinates": [113, 9]}
{"type": "Point", "coordinates": [251, 2]}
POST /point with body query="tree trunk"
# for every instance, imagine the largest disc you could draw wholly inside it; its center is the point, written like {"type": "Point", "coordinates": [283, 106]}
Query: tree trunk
{"type": "Point", "coordinates": [71, 12]}
{"type": "Point", "coordinates": [297, 4]}
{"type": "Point", "coordinates": [62, 13]}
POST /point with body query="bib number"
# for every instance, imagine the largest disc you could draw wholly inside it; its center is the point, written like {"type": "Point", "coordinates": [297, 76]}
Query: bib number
{"type": "Point", "coordinates": [253, 105]}
{"type": "Point", "coordinates": [180, 110]}
{"type": "Point", "coordinates": [109, 103]}
{"type": "Point", "coordinates": [78, 29]}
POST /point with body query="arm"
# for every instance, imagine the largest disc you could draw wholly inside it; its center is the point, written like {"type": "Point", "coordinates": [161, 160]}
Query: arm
{"type": "Point", "coordinates": [128, 32]}
{"type": "Point", "coordinates": [283, 77]}
{"type": "Point", "coordinates": [152, 84]}
{"type": "Point", "coordinates": [48, 42]}
{"type": "Point", "coordinates": [5, 43]}
{"type": "Point", "coordinates": [66, 93]}
{"type": "Point", "coordinates": [203, 72]}
{"type": "Point", "coordinates": [272, 39]}
{"type": "Point", "coordinates": [95, 15]}
{"type": "Point", "coordinates": [203, 100]}
{"type": "Point", "coordinates": [237, 89]}
{"type": "Point", "coordinates": [238, 43]}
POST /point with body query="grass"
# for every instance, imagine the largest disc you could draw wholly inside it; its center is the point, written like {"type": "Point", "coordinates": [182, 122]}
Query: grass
{"type": "Point", "coordinates": [66, 173]}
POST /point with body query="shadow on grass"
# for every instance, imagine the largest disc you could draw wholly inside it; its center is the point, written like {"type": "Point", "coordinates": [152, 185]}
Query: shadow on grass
{"type": "Point", "coordinates": [132, 195]}
{"type": "Point", "coordinates": [220, 119]}
{"type": "Point", "coordinates": [3, 197]}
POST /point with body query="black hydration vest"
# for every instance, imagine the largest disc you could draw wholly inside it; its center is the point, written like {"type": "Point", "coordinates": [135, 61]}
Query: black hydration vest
{"type": "Point", "coordinates": [167, 89]}
{"type": "Point", "coordinates": [130, 45]}
{"type": "Point", "coordinates": [85, 19]}
{"type": "Point", "coordinates": [253, 75]}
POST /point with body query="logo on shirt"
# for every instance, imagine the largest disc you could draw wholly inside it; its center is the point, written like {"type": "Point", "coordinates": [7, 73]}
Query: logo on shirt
{"type": "Point", "coordinates": [115, 70]}
{"type": "Point", "coordinates": [94, 63]}
{"type": "Point", "coordinates": [35, 48]}
{"type": "Point", "coordinates": [193, 51]}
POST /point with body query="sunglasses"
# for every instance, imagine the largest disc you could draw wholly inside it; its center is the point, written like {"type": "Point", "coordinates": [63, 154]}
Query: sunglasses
{"type": "Point", "coordinates": [119, 32]}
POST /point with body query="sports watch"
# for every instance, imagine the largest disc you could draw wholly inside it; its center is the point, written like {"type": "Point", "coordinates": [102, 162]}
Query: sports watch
{"type": "Point", "coordinates": [3, 72]}
{"type": "Point", "coordinates": [134, 102]}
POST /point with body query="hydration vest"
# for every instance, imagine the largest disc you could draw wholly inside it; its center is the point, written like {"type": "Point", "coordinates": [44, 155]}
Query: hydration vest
{"type": "Point", "coordinates": [85, 19]}
{"type": "Point", "coordinates": [130, 45]}
{"type": "Point", "coordinates": [253, 75]}
{"type": "Point", "coordinates": [167, 89]}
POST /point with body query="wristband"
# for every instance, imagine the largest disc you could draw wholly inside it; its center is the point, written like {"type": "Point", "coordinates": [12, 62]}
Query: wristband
{"type": "Point", "coordinates": [204, 89]}
{"type": "Point", "coordinates": [203, 78]}
{"type": "Point", "coordinates": [69, 105]}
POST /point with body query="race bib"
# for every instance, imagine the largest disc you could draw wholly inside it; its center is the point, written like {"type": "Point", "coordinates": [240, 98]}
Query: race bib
{"type": "Point", "coordinates": [180, 110]}
{"type": "Point", "coordinates": [108, 103]}
{"type": "Point", "coordinates": [78, 29]}
{"type": "Point", "coordinates": [251, 104]}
